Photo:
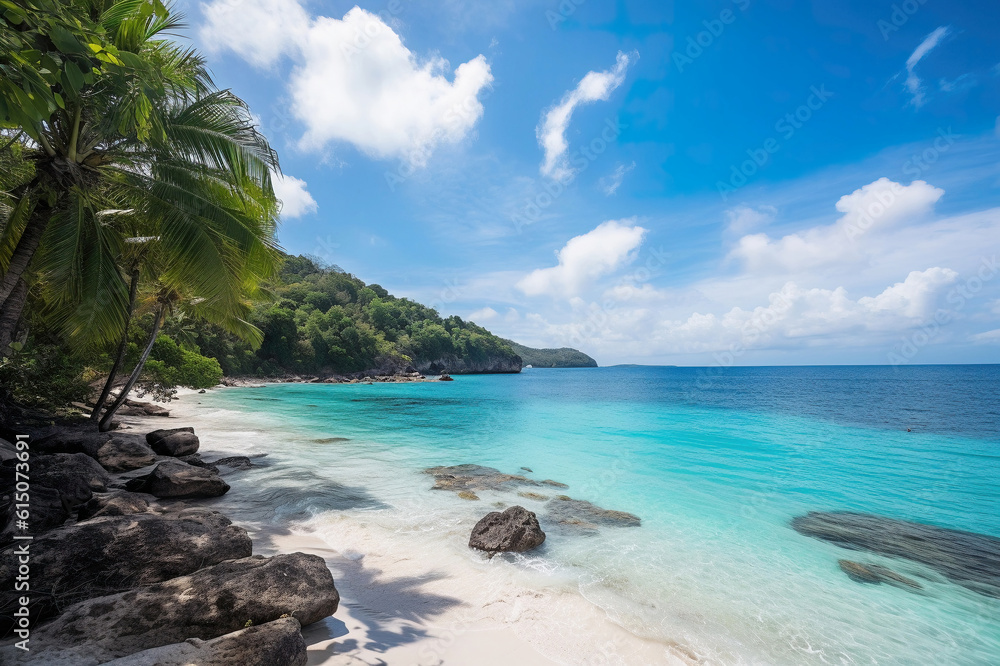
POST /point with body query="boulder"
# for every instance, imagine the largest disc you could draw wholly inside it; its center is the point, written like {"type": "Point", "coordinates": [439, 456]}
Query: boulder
{"type": "Point", "coordinates": [236, 462]}
{"type": "Point", "coordinates": [123, 453]}
{"type": "Point", "coordinates": [115, 503]}
{"type": "Point", "coordinates": [515, 530]}
{"type": "Point", "coordinates": [876, 574]}
{"type": "Point", "coordinates": [76, 476]}
{"type": "Point", "coordinates": [69, 439]}
{"type": "Point", "coordinates": [174, 442]}
{"type": "Point", "coordinates": [207, 604]}
{"type": "Point", "coordinates": [277, 643]}
{"type": "Point", "coordinates": [580, 513]}
{"type": "Point", "coordinates": [966, 558]}
{"type": "Point", "coordinates": [110, 554]}
{"type": "Point", "coordinates": [176, 479]}
{"type": "Point", "coordinates": [196, 460]}
{"type": "Point", "coordinates": [445, 378]}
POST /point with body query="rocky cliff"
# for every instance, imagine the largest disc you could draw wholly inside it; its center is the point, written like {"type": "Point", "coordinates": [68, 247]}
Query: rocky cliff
{"type": "Point", "coordinates": [455, 365]}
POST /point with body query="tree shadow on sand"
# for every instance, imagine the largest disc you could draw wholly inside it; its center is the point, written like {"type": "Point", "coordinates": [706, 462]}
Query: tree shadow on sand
{"type": "Point", "coordinates": [390, 611]}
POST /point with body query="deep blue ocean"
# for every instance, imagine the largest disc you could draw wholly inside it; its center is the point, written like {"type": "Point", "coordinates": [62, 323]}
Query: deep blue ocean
{"type": "Point", "coordinates": [716, 462]}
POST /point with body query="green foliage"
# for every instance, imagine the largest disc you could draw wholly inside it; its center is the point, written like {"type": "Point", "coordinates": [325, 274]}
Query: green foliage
{"type": "Point", "coordinates": [564, 357]}
{"type": "Point", "coordinates": [170, 365]}
{"type": "Point", "coordinates": [326, 320]}
{"type": "Point", "coordinates": [43, 374]}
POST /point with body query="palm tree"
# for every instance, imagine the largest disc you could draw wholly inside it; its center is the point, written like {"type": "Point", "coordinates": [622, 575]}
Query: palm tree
{"type": "Point", "coordinates": [145, 137]}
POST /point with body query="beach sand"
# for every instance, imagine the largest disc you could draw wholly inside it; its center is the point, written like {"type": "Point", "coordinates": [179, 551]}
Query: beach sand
{"type": "Point", "coordinates": [406, 600]}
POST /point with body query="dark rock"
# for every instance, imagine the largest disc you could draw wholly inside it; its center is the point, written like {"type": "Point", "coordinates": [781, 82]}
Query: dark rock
{"type": "Point", "coordinates": [7, 451]}
{"type": "Point", "coordinates": [110, 554]}
{"type": "Point", "coordinates": [236, 462]}
{"type": "Point", "coordinates": [176, 479]}
{"type": "Point", "coordinates": [115, 503]}
{"type": "Point", "coordinates": [277, 643]}
{"type": "Point", "coordinates": [475, 477]}
{"type": "Point", "coordinates": [201, 391]}
{"type": "Point", "coordinates": [207, 604]}
{"type": "Point", "coordinates": [527, 469]}
{"type": "Point", "coordinates": [48, 510]}
{"type": "Point", "coordinates": [515, 530]}
{"type": "Point", "coordinates": [123, 453]}
{"type": "Point", "coordinates": [65, 439]}
{"type": "Point", "coordinates": [554, 484]}
{"type": "Point", "coordinates": [76, 476]}
{"type": "Point", "coordinates": [966, 558]}
{"type": "Point", "coordinates": [876, 573]}
{"type": "Point", "coordinates": [196, 460]}
{"type": "Point", "coordinates": [445, 378]}
{"type": "Point", "coordinates": [581, 513]}
{"type": "Point", "coordinates": [180, 443]}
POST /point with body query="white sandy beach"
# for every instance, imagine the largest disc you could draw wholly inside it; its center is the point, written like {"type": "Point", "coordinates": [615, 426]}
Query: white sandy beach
{"type": "Point", "coordinates": [411, 598]}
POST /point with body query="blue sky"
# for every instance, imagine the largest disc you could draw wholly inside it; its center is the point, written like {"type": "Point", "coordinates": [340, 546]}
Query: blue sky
{"type": "Point", "coordinates": [731, 182]}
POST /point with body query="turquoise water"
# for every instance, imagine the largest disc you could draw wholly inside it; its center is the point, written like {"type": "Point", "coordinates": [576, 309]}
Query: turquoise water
{"type": "Point", "coordinates": [716, 463]}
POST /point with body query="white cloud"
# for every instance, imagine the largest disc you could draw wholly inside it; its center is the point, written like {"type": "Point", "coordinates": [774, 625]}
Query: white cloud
{"type": "Point", "coordinates": [610, 184]}
{"type": "Point", "coordinates": [483, 315]}
{"type": "Point", "coordinates": [741, 219]}
{"type": "Point", "coordinates": [586, 258]}
{"type": "Point", "coordinates": [353, 79]}
{"type": "Point", "coordinates": [913, 84]}
{"type": "Point", "coordinates": [989, 337]}
{"type": "Point", "coordinates": [870, 209]}
{"type": "Point", "coordinates": [259, 31]}
{"type": "Point", "coordinates": [295, 198]}
{"type": "Point", "coordinates": [551, 131]}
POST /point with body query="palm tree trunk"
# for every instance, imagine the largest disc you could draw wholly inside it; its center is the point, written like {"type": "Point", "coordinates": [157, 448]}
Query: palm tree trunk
{"type": "Point", "coordinates": [122, 346]}
{"type": "Point", "coordinates": [105, 423]}
{"type": "Point", "coordinates": [24, 251]}
{"type": "Point", "coordinates": [10, 315]}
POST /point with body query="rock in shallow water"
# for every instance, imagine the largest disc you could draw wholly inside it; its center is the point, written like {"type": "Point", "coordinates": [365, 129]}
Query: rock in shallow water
{"type": "Point", "coordinates": [207, 604]}
{"type": "Point", "coordinates": [475, 477]}
{"type": "Point", "coordinates": [966, 558]}
{"type": "Point", "coordinates": [568, 511]}
{"type": "Point", "coordinates": [515, 530]}
{"type": "Point", "coordinates": [875, 574]}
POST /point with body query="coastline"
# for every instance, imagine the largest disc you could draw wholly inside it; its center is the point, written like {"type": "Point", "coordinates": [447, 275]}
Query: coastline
{"type": "Point", "coordinates": [405, 600]}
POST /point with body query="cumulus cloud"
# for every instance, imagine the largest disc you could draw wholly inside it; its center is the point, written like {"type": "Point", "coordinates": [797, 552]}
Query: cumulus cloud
{"type": "Point", "coordinates": [352, 79]}
{"type": "Point", "coordinates": [586, 258]}
{"type": "Point", "coordinates": [483, 315]}
{"type": "Point", "coordinates": [551, 132]}
{"type": "Point", "coordinates": [295, 198]}
{"type": "Point", "coordinates": [913, 83]}
{"type": "Point", "coordinates": [869, 209]}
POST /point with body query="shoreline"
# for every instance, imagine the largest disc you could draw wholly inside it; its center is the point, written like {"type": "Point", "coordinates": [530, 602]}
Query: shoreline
{"type": "Point", "coordinates": [407, 601]}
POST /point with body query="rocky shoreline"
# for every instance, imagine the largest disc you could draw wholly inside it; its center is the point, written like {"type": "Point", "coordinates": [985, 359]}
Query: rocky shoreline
{"type": "Point", "coordinates": [127, 569]}
{"type": "Point", "coordinates": [370, 377]}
